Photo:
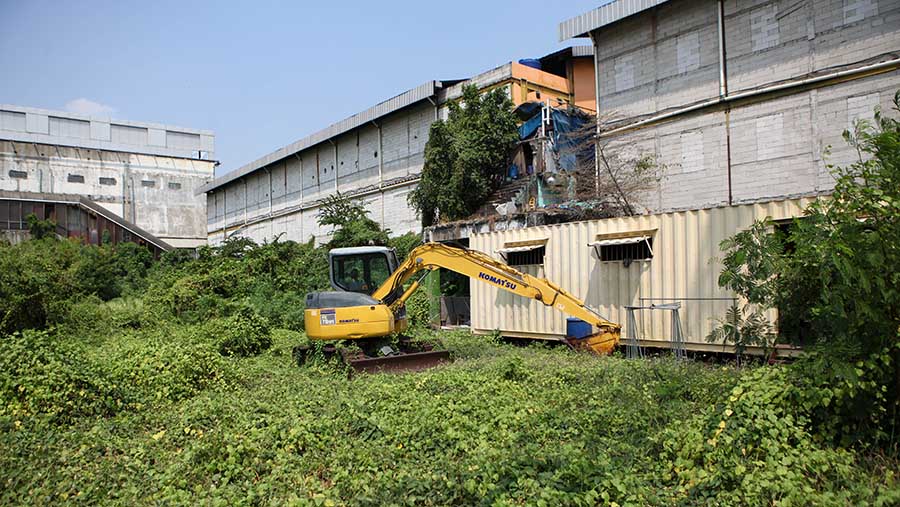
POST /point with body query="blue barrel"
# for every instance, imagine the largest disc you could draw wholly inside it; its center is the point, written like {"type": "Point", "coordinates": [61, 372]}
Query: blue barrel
{"type": "Point", "coordinates": [577, 328]}
{"type": "Point", "coordinates": [534, 63]}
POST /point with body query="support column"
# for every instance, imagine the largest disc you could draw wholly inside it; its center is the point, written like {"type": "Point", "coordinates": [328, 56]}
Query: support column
{"type": "Point", "coordinates": [597, 105]}
{"type": "Point", "coordinates": [336, 172]}
{"type": "Point", "coordinates": [300, 160]}
{"type": "Point", "coordinates": [380, 157]}
{"type": "Point", "coordinates": [271, 219]}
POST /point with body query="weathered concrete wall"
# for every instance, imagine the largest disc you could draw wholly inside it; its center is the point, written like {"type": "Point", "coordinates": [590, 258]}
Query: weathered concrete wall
{"type": "Point", "coordinates": [666, 59]}
{"type": "Point", "coordinates": [378, 163]}
{"type": "Point", "coordinates": [156, 193]}
{"type": "Point", "coordinates": [60, 128]}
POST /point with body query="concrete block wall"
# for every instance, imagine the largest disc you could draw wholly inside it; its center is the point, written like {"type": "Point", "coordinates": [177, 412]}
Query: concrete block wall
{"type": "Point", "coordinates": [156, 193]}
{"type": "Point", "coordinates": [651, 63]}
{"type": "Point", "coordinates": [658, 60]}
{"type": "Point", "coordinates": [299, 182]}
{"type": "Point", "coordinates": [780, 147]}
{"type": "Point", "coordinates": [669, 57]}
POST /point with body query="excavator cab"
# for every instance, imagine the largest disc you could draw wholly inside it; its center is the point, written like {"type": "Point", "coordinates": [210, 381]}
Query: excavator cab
{"type": "Point", "coordinates": [361, 269]}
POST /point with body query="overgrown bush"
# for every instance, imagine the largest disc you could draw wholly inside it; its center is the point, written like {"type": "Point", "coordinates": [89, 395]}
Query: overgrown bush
{"type": "Point", "coordinates": [418, 308]}
{"type": "Point", "coordinates": [756, 448]}
{"type": "Point", "coordinates": [242, 334]}
{"type": "Point", "coordinates": [166, 364]}
{"type": "Point", "coordinates": [43, 374]}
{"type": "Point", "coordinates": [36, 283]}
{"type": "Point", "coordinates": [835, 279]}
{"type": "Point", "coordinates": [351, 222]}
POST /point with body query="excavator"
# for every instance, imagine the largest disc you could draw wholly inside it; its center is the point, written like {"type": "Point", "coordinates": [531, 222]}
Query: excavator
{"type": "Point", "coordinates": [367, 306]}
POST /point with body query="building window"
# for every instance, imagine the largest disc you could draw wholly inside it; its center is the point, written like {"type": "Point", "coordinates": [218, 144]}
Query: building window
{"type": "Point", "coordinates": [174, 185]}
{"type": "Point", "coordinates": [75, 178]}
{"type": "Point", "coordinates": [624, 249]}
{"type": "Point", "coordinates": [148, 183]}
{"type": "Point", "coordinates": [107, 181]}
{"type": "Point", "coordinates": [18, 174]}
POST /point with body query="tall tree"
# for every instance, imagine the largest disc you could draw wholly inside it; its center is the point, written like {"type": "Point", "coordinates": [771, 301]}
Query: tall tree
{"type": "Point", "coordinates": [466, 156]}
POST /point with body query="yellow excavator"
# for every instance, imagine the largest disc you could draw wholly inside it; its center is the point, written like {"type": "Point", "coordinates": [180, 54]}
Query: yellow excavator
{"type": "Point", "coordinates": [367, 303]}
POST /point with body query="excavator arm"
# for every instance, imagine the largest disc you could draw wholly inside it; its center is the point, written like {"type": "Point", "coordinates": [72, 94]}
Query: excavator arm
{"type": "Point", "coordinates": [483, 268]}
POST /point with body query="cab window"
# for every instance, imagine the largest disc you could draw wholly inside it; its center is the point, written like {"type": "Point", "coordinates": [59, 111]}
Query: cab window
{"type": "Point", "coordinates": [360, 273]}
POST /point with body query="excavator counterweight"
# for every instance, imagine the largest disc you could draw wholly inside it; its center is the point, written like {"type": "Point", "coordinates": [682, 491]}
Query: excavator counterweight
{"type": "Point", "coordinates": [368, 304]}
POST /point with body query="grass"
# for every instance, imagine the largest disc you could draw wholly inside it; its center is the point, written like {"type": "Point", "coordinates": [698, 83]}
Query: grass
{"type": "Point", "coordinates": [501, 425]}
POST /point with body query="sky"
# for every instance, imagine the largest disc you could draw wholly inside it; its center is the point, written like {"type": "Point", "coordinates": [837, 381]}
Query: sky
{"type": "Point", "coordinates": [259, 74]}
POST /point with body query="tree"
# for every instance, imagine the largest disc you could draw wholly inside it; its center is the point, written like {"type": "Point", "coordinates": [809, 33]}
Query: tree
{"type": "Point", "coordinates": [40, 229]}
{"type": "Point", "coordinates": [466, 156]}
{"type": "Point", "coordinates": [351, 223]}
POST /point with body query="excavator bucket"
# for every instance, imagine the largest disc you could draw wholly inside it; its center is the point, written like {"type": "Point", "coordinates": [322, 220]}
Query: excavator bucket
{"type": "Point", "coordinates": [601, 343]}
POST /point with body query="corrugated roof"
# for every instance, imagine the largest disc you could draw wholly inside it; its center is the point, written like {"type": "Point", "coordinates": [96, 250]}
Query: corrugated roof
{"type": "Point", "coordinates": [580, 26]}
{"type": "Point", "coordinates": [391, 105]}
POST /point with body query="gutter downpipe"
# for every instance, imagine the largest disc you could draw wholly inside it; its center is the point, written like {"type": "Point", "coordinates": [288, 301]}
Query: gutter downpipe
{"type": "Point", "coordinates": [723, 93]}
{"type": "Point", "coordinates": [875, 67]}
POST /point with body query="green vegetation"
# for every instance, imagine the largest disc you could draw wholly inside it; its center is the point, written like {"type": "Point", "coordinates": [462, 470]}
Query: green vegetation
{"type": "Point", "coordinates": [466, 156]}
{"type": "Point", "coordinates": [834, 276]}
{"type": "Point", "coordinates": [125, 380]}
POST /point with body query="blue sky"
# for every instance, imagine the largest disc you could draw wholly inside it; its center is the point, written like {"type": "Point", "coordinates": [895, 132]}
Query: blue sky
{"type": "Point", "coordinates": [259, 74]}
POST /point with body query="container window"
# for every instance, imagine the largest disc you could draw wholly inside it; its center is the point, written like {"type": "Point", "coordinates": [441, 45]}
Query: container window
{"type": "Point", "coordinates": [174, 185]}
{"type": "Point", "coordinates": [148, 183]}
{"type": "Point", "coordinates": [107, 181]}
{"type": "Point", "coordinates": [18, 174]}
{"type": "Point", "coordinates": [627, 252]}
{"type": "Point", "coordinates": [530, 257]}
{"type": "Point", "coordinates": [75, 178]}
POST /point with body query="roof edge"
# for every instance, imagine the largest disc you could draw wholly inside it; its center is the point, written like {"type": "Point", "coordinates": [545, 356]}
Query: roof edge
{"type": "Point", "coordinates": [105, 119]}
{"type": "Point", "coordinates": [391, 105]}
{"type": "Point", "coordinates": [582, 25]}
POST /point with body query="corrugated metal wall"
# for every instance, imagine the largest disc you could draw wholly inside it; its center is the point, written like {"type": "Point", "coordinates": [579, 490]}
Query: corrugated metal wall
{"type": "Point", "coordinates": [684, 265]}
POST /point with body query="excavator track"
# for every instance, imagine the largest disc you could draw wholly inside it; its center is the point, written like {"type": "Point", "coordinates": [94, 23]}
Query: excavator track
{"type": "Point", "coordinates": [374, 356]}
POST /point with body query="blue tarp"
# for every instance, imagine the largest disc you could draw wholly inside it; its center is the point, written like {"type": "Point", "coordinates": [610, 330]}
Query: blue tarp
{"type": "Point", "coordinates": [563, 127]}
{"type": "Point", "coordinates": [530, 126]}
{"type": "Point", "coordinates": [565, 143]}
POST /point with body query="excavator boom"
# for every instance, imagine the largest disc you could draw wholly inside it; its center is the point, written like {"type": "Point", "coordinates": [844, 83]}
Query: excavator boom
{"type": "Point", "coordinates": [483, 268]}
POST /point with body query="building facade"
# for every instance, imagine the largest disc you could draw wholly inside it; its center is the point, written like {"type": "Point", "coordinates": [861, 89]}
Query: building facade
{"type": "Point", "coordinates": [739, 100]}
{"type": "Point", "coordinates": [375, 156]}
{"type": "Point", "coordinates": [743, 104]}
{"type": "Point", "coordinates": [147, 174]}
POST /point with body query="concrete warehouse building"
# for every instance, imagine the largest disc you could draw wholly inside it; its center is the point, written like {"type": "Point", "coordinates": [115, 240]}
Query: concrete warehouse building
{"type": "Point", "coordinates": [375, 155]}
{"type": "Point", "coordinates": [743, 104]}
{"type": "Point", "coordinates": [740, 100]}
{"type": "Point", "coordinates": [144, 175]}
